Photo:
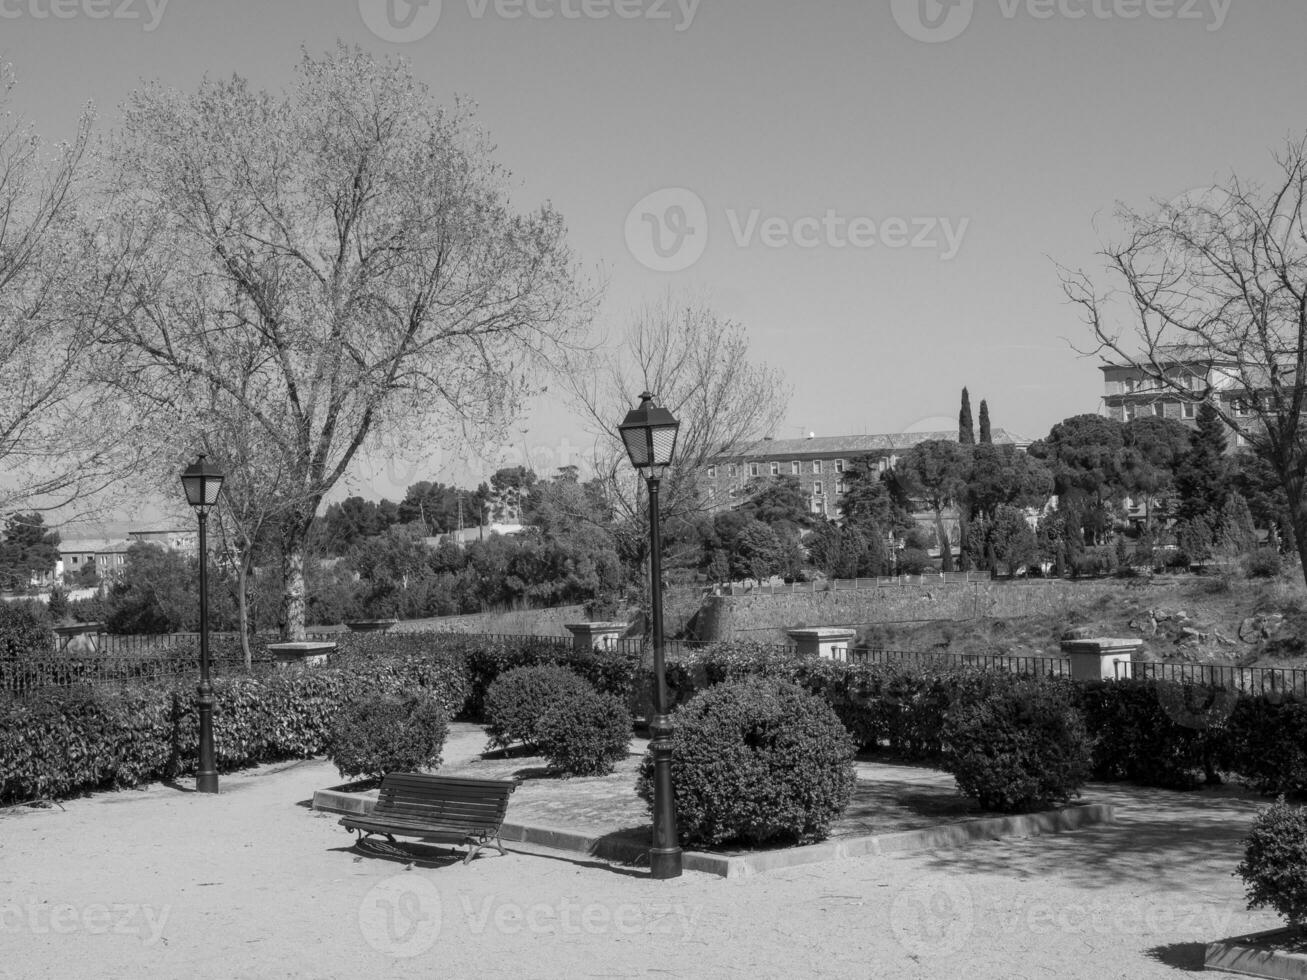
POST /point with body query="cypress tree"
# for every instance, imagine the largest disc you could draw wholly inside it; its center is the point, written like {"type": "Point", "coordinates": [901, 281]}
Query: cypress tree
{"type": "Point", "coordinates": [966, 429]}
{"type": "Point", "coordinates": [986, 437]}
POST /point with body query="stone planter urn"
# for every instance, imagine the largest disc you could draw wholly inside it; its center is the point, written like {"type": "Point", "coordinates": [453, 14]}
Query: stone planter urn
{"type": "Point", "coordinates": [79, 637]}
{"type": "Point", "coordinates": [312, 653]}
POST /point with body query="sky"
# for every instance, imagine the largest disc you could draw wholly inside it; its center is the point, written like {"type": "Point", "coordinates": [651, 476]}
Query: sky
{"type": "Point", "coordinates": [880, 192]}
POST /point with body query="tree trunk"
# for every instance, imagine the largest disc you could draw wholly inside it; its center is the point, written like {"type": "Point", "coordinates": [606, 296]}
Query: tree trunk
{"type": "Point", "coordinates": [293, 597]}
{"type": "Point", "coordinates": [243, 609]}
{"type": "Point", "coordinates": [945, 553]}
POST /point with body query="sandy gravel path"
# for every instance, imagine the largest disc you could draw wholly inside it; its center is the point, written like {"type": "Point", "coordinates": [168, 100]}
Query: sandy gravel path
{"type": "Point", "coordinates": [162, 882]}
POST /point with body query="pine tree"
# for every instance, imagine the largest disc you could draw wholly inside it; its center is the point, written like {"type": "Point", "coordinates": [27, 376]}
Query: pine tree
{"type": "Point", "coordinates": [986, 437]}
{"type": "Point", "coordinates": [966, 429]}
{"type": "Point", "coordinates": [1201, 478]}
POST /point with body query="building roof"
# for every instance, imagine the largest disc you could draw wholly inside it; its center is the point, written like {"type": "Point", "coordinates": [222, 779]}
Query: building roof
{"type": "Point", "coordinates": [98, 546]}
{"type": "Point", "coordinates": [850, 446]}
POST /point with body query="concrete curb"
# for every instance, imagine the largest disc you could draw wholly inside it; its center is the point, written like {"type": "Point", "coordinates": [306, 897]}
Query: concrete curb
{"type": "Point", "coordinates": [1249, 956]}
{"type": "Point", "coordinates": [743, 865]}
{"type": "Point", "coordinates": [634, 851]}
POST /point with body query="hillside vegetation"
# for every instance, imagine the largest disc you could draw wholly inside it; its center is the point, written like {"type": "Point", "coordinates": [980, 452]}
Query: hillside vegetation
{"type": "Point", "coordinates": [1184, 619]}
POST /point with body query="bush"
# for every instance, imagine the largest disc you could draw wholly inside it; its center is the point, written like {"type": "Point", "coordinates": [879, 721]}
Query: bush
{"type": "Point", "coordinates": [387, 733]}
{"type": "Point", "coordinates": [585, 733]}
{"type": "Point", "coordinates": [756, 762]}
{"type": "Point", "coordinates": [1156, 732]}
{"type": "Point", "coordinates": [1020, 748]}
{"type": "Point", "coordinates": [1274, 867]}
{"type": "Point", "coordinates": [1264, 563]}
{"type": "Point", "coordinates": [519, 698]}
{"type": "Point", "coordinates": [24, 630]}
{"type": "Point", "coordinates": [1266, 743]}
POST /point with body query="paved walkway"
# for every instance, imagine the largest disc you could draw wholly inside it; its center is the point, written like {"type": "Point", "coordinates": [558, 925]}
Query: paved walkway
{"type": "Point", "coordinates": [164, 882]}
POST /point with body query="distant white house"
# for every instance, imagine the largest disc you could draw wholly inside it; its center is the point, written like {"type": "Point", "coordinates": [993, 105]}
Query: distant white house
{"type": "Point", "coordinates": [467, 535]}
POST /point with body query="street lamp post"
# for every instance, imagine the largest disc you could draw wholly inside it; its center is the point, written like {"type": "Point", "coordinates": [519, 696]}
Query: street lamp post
{"type": "Point", "coordinates": [649, 433]}
{"type": "Point", "coordinates": [202, 481]}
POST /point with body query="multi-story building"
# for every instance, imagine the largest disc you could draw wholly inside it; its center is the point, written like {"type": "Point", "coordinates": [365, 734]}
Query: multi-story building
{"type": "Point", "coordinates": [822, 464]}
{"type": "Point", "coordinates": [106, 555]}
{"type": "Point", "coordinates": [1130, 393]}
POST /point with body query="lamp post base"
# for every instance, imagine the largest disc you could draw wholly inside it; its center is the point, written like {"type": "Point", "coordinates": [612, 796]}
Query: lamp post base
{"type": "Point", "coordinates": [665, 862]}
{"type": "Point", "coordinates": [206, 777]}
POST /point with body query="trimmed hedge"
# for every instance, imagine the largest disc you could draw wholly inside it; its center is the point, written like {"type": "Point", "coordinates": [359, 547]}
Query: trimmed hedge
{"type": "Point", "coordinates": [1274, 867]}
{"type": "Point", "coordinates": [64, 741]}
{"type": "Point", "coordinates": [585, 733]}
{"type": "Point", "coordinates": [1017, 749]}
{"type": "Point", "coordinates": [517, 700]}
{"type": "Point", "coordinates": [758, 761]}
{"type": "Point", "coordinates": [385, 733]}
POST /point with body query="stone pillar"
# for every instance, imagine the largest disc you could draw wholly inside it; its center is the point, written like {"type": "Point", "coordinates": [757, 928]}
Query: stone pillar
{"type": "Point", "coordinates": [312, 653]}
{"type": "Point", "coordinates": [826, 642]}
{"type": "Point", "coordinates": [1096, 659]}
{"type": "Point", "coordinates": [595, 636]}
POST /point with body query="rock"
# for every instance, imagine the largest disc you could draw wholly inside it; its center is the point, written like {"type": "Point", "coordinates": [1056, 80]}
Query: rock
{"type": "Point", "coordinates": [1256, 628]}
{"type": "Point", "coordinates": [1189, 634]}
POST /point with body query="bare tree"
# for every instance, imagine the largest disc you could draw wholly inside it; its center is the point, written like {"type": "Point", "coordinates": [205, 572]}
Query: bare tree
{"type": "Point", "coordinates": [338, 265]}
{"type": "Point", "coordinates": [697, 365]}
{"type": "Point", "coordinates": [1209, 301]}
{"type": "Point", "coordinates": [57, 441]}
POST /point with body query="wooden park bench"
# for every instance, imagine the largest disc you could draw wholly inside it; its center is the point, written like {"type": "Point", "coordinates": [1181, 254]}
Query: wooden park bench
{"type": "Point", "coordinates": [443, 809]}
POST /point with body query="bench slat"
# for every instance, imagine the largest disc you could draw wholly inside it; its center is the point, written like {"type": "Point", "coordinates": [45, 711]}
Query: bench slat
{"type": "Point", "coordinates": [437, 810]}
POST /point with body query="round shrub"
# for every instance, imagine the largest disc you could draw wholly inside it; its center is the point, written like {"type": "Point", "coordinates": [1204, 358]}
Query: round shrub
{"type": "Point", "coordinates": [757, 762]}
{"type": "Point", "coordinates": [585, 733]}
{"type": "Point", "coordinates": [1017, 747]}
{"type": "Point", "coordinates": [387, 733]}
{"type": "Point", "coordinates": [1274, 866]}
{"type": "Point", "coordinates": [517, 699]}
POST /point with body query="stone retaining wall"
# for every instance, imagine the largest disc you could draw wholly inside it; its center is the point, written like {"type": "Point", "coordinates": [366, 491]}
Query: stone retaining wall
{"type": "Point", "coordinates": [767, 617]}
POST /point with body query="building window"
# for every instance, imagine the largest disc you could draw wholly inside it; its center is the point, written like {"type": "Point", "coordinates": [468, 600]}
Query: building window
{"type": "Point", "coordinates": [816, 489]}
{"type": "Point", "coordinates": [816, 466]}
{"type": "Point", "coordinates": [753, 469]}
{"type": "Point", "coordinates": [1129, 385]}
{"type": "Point", "coordinates": [882, 464]}
{"type": "Point", "coordinates": [1188, 410]}
{"type": "Point", "coordinates": [1241, 408]}
{"type": "Point", "coordinates": [1196, 382]}
{"type": "Point", "coordinates": [775, 469]}
{"type": "Point", "coordinates": [1159, 409]}
{"type": "Point", "coordinates": [732, 470]}
{"type": "Point", "coordinates": [1239, 439]}
{"type": "Point", "coordinates": [74, 559]}
{"type": "Point", "coordinates": [712, 472]}
{"type": "Point", "coordinates": [794, 468]}
{"type": "Point", "coordinates": [839, 466]}
{"type": "Point", "coordinates": [841, 487]}
{"type": "Point", "coordinates": [1130, 411]}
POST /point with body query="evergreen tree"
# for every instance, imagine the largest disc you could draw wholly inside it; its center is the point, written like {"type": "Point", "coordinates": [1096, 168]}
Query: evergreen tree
{"type": "Point", "coordinates": [1201, 479]}
{"type": "Point", "coordinates": [1238, 536]}
{"type": "Point", "coordinates": [986, 436]}
{"type": "Point", "coordinates": [26, 546]}
{"type": "Point", "coordinates": [966, 429]}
